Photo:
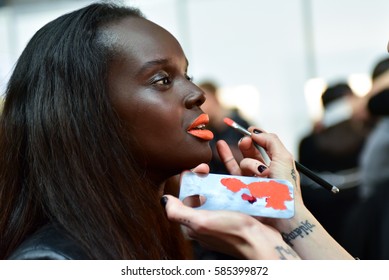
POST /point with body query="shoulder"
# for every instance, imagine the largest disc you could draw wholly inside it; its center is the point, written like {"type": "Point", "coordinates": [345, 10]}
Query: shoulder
{"type": "Point", "coordinates": [49, 243]}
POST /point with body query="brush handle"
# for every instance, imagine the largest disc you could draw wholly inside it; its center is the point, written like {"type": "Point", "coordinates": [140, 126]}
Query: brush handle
{"type": "Point", "coordinates": [307, 172]}
{"type": "Point", "coordinates": [301, 168]}
{"type": "Point", "coordinates": [267, 160]}
{"type": "Point", "coordinates": [264, 155]}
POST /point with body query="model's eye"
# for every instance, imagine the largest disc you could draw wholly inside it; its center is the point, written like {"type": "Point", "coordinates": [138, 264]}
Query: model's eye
{"type": "Point", "coordinates": [163, 81]}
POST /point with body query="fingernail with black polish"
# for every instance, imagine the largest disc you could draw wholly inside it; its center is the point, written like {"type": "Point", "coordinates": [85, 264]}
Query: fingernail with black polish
{"type": "Point", "coordinates": [261, 168]}
{"type": "Point", "coordinates": [163, 201]}
{"type": "Point", "coordinates": [257, 131]}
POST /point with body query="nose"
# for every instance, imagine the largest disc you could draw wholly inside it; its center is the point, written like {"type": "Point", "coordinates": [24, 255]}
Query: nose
{"type": "Point", "coordinates": [196, 98]}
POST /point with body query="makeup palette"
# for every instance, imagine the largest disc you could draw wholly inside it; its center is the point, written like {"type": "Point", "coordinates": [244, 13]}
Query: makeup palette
{"type": "Point", "coordinates": [254, 196]}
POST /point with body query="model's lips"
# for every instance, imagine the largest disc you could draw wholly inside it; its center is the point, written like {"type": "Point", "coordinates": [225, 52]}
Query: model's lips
{"type": "Point", "coordinates": [197, 128]}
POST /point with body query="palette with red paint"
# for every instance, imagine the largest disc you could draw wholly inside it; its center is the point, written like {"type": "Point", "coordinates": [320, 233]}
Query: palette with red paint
{"type": "Point", "coordinates": [255, 196]}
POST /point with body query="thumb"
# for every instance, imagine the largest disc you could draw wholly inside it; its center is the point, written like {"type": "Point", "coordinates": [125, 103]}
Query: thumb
{"type": "Point", "coordinates": [201, 168]}
{"type": "Point", "coordinates": [176, 211]}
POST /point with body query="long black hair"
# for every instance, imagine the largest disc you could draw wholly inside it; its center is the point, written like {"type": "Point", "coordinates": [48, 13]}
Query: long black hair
{"type": "Point", "coordinates": [63, 155]}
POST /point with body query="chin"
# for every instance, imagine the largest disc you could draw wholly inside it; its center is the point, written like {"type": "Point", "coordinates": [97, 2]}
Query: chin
{"type": "Point", "coordinates": [205, 159]}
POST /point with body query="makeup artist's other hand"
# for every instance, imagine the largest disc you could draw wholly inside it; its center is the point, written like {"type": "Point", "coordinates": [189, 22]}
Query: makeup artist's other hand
{"type": "Point", "coordinates": [229, 232]}
{"type": "Point", "coordinates": [172, 185]}
{"type": "Point", "coordinates": [281, 166]}
{"type": "Point", "coordinates": [282, 162]}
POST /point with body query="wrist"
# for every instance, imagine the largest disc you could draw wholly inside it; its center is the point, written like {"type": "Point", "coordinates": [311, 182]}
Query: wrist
{"type": "Point", "coordinates": [266, 243]}
{"type": "Point", "coordinates": [300, 227]}
{"type": "Point", "coordinates": [301, 215]}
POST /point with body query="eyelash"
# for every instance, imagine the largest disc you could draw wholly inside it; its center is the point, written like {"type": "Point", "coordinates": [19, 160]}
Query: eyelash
{"type": "Point", "coordinates": [167, 80]}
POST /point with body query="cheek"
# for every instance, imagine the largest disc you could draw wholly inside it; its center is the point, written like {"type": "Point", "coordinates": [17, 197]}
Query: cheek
{"type": "Point", "coordinates": [167, 146]}
{"type": "Point", "coordinates": [162, 122]}
{"type": "Point", "coordinates": [158, 131]}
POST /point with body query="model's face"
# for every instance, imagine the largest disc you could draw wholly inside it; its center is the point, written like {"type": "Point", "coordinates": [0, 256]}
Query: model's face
{"type": "Point", "coordinates": [153, 95]}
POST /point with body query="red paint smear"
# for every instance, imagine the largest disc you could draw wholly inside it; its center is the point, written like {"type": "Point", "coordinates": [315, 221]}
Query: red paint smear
{"type": "Point", "coordinates": [249, 198]}
{"type": "Point", "coordinates": [275, 193]}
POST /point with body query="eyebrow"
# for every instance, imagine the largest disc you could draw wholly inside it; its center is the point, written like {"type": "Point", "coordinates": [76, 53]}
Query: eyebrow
{"type": "Point", "coordinates": [152, 64]}
{"type": "Point", "coordinates": [157, 62]}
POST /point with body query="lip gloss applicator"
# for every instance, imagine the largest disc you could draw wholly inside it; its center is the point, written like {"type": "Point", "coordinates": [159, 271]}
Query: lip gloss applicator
{"type": "Point", "coordinates": [244, 131]}
{"type": "Point", "coordinates": [307, 172]}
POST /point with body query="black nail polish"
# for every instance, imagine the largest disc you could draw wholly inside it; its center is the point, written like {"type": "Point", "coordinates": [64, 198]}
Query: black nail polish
{"type": "Point", "coordinates": [163, 201]}
{"type": "Point", "coordinates": [261, 168]}
{"type": "Point", "coordinates": [257, 131]}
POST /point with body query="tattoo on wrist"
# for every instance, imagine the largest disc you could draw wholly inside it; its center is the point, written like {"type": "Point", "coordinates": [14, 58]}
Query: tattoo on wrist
{"type": "Point", "coordinates": [301, 231]}
{"type": "Point", "coordinates": [293, 173]}
{"type": "Point", "coordinates": [285, 251]}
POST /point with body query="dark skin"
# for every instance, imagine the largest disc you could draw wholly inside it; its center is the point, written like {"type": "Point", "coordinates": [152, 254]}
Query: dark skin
{"type": "Point", "coordinates": [152, 93]}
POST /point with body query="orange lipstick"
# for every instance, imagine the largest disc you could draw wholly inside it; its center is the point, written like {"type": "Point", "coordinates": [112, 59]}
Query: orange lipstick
{"type": "Point", "coordinates": [197, 128]}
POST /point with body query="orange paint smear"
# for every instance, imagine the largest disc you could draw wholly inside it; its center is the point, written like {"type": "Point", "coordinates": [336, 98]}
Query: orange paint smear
{"type": "Point", "coordinates": [276, 194]}
{"type": "Point", "coordinates": [233, 184]}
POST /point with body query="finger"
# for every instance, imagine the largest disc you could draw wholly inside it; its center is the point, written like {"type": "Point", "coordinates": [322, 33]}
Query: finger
{"type": "Point", "coordinates": [176, 211]}
{"type": "Point", "coordinates": [282, 164]}
{"type": "Point", "coordinates": [227, 157]}
{"type": "Point", "coordinates": [201, 168]}
{"type": "Point", "coordinates": [253, 167]}
{"type": "Point", "coordinates": [248, 149]}
{"type": "Point", "coordinates": [271, 143]}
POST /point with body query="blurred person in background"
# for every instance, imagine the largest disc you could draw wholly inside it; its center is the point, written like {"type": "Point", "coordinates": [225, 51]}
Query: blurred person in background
{"type": "Point", "coordinates": [333, 150]}
{"type": "Point", "coordinates": [375, 156]}
{"type": "Point", "coordinates": [369, 220]}
{"type": "Point", "coordinates": [338, 140]}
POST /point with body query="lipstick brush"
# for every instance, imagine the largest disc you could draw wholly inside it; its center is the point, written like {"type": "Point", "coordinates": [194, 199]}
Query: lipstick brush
{"type": "Point", "coordinates": [307, 172]}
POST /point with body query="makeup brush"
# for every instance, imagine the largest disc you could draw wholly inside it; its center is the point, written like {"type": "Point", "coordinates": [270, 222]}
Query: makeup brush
{"type": "Point", "coordinates": [307, 172]}
{"type": "Point", "coordinates": [244, 131]}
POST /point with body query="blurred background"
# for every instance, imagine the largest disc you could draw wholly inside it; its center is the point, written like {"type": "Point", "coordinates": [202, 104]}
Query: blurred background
{"type": "Point", "coordinates": [271, 59]}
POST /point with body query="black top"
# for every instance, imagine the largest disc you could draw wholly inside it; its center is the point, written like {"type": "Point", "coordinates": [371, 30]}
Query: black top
{"type": "Point", "coordinates": [378, 104]}
{"type": "Point", "coordinates": [335, 148]}
{"type": "Point", "coordinates": [49, 243]}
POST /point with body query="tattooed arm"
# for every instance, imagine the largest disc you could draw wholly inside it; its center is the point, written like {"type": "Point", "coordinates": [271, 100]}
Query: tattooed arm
{"type": "Point", "coordinates": [308, 238]}
{"type": "Point", "coordinates": [303, 233]}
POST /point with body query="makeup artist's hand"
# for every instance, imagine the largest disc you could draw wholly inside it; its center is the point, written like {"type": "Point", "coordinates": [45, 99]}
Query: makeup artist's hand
{"type": "Point", "coordinates": [229, 232]}
{"type": "Point", "coordinates": [281, 165]}
{"type": "Point", "coordinates": [303, 232]}
{"type": "Point", "coordinates": [282, 162]}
